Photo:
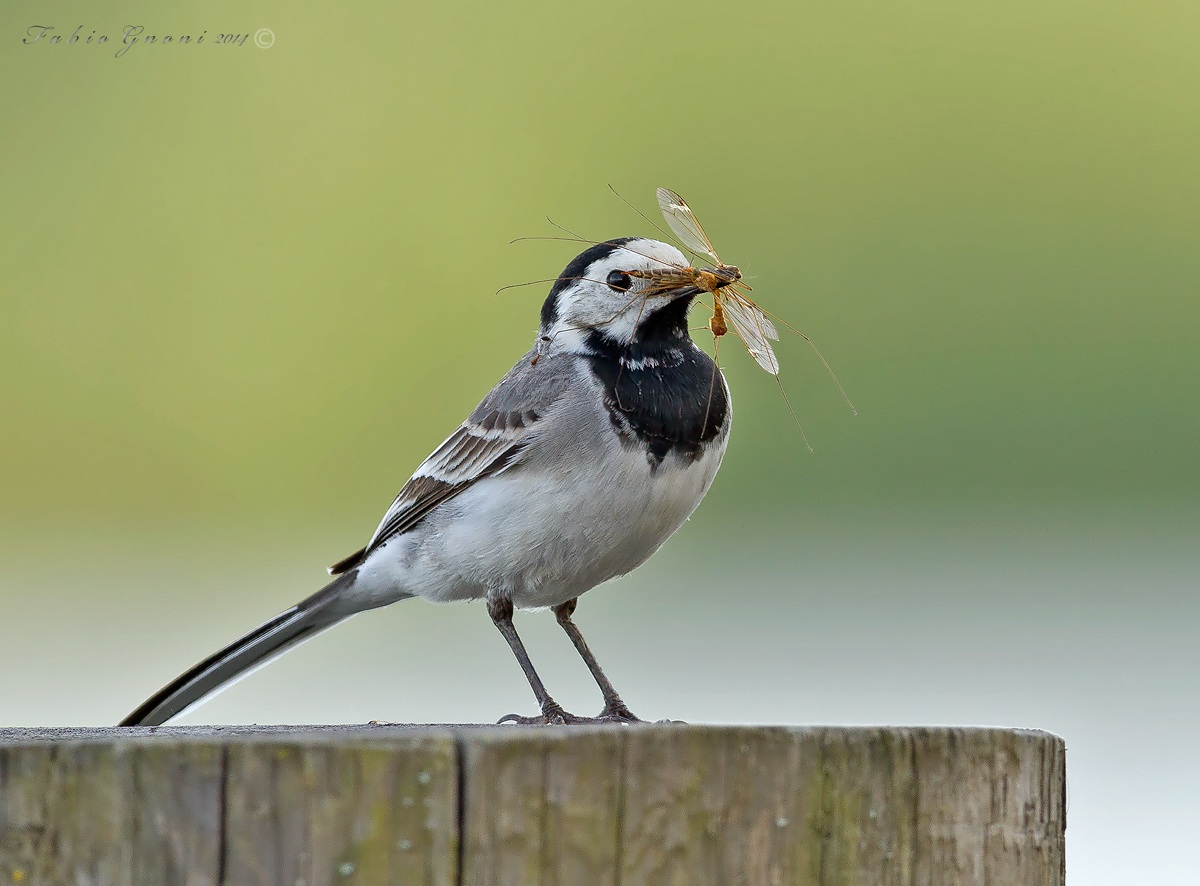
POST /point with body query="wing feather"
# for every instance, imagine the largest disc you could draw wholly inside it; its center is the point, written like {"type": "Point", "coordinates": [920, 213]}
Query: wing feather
{"type": "Point", "coordinates": [489, 442]}
{"type": "Point", "coordinates": [469, 455]}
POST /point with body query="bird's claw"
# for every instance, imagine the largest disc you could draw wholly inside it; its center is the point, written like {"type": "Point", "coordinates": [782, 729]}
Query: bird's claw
{"type": "Point", "coordinates": [553, 715]}
{"type": "Point", "coordinates": [617, 712]}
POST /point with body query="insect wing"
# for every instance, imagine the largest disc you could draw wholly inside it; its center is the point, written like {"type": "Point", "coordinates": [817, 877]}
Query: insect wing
{"type": "Point", "coordinates": [679, 216]}
{"type": "Point", "coordinates": [753, 327]}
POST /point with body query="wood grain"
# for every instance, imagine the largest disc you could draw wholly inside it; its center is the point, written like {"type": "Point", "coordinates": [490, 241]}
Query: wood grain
{"type": "Point", "coordinates": [492, 806]}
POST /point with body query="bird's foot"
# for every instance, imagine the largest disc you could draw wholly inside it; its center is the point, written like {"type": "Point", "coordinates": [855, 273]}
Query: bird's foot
{"type": "Point", "coordinates": [616, 712]}
{"type": "Point", "coordinates": [552, 715]}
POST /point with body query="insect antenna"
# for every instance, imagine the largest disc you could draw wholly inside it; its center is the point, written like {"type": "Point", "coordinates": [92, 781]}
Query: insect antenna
{"type": "Point", "coordinates": [565, 230]}
{"type": "Point", "coordinates": [645, 217]}
{"type": "Point", "coordinates": [536, 282]}
{"type": "Point", "coordinates": [527, 283]}
{"type": "Point", "coordinates": [580, 239]}
{"type": "Point", "coordinates": [563, 239]}
{"type": "Point", "coordinates": [623, 246]}
{"type": "Point", "coordinates": [634, 251]}
{"type": "Point", "coordinates": [575, 238]}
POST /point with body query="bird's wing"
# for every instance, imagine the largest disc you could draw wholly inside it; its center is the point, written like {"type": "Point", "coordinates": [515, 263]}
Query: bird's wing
{"type": "Point", "coordinates": [487, 443]}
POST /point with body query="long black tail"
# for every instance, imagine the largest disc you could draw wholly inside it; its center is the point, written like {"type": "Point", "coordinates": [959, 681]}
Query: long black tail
{"type": "Point", "coordinates": [304, 620]}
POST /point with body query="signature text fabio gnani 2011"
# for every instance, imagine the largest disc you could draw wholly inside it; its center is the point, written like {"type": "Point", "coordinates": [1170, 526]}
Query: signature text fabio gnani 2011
{"type": "Point", "coordinates": [132, 36]}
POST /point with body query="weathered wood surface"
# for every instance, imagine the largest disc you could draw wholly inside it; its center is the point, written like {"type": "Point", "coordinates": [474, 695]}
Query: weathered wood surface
{"type": "Point", "coordinates": [612, 806]}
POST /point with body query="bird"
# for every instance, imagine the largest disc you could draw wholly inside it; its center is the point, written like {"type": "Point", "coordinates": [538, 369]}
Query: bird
{"type": "Point", "coordinates": [579, 464]}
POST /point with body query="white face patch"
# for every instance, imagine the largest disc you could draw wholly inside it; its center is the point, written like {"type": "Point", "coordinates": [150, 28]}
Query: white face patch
{"type": "Point", "coordinates": [590, 303]}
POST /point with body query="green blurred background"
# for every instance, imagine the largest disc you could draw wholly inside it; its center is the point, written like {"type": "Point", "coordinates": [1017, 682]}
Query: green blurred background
{"type": "Point", "coordinates": [246, 290]}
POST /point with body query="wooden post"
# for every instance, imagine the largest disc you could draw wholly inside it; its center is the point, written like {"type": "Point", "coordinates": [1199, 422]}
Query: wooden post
{"type": "Point", "coordinates": [611, 806]}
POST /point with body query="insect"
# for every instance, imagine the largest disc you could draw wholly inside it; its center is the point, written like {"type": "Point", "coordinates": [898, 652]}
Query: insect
{"type": "Point", "coordinates": [732, 307]}
{"type": "Point", "coordinates": [730, 302]}
{"type": "Point", "coordinates": [723, 283]}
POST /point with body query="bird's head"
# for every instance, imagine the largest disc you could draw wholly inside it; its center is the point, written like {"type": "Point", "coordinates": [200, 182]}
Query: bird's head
{"type": "Point", "coordinates": [622, 291]}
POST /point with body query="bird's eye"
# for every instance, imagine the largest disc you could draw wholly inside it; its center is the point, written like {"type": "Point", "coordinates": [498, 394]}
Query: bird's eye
{"type": "Point", "coordinates": [620, 281]}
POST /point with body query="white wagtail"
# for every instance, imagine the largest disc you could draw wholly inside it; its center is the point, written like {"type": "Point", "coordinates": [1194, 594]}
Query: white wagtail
{"type": "Point", "coordinates": [579, 464]}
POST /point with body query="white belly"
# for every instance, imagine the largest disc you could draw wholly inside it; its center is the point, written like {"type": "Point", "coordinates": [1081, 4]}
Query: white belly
{"type": "Point", "coordinates": [542, 537]}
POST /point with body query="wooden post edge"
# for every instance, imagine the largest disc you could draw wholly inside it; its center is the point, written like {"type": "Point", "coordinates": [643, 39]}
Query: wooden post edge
{"type": "Point", "coordinates": [448, 805]}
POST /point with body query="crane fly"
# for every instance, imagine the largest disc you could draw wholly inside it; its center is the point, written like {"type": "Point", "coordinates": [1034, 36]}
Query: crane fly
{"type": "Point", "coordinates": [730, 302]}
{"type": "Point", "coordinates": [731, 306]}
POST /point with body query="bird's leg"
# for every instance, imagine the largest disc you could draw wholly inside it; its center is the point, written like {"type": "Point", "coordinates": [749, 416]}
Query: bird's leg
{"type": "Point", "coordinates": [501, 611]}
{"type": "Point", "coordinates": [614, 708]}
